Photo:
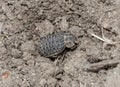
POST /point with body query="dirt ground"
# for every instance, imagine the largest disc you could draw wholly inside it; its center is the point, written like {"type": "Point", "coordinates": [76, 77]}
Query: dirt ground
{"type": "Point", "coordinates": [94, 63]}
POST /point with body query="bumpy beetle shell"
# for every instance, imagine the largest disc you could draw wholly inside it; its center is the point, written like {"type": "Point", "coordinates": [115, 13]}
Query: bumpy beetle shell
{"type": "Point", "coordinates": [53, 44]}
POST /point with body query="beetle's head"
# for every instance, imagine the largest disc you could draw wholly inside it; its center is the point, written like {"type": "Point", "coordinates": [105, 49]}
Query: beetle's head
{"type": "Point", "coordinates": [70, 40]}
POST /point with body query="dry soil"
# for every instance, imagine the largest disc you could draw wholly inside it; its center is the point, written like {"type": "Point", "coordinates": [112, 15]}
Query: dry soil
{"type": "Point", "coordinates": [94, 63]}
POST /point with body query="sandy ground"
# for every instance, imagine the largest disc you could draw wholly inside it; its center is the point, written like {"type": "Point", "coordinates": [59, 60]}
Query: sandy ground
{"type": "Point", "coordinates": [94, 63]}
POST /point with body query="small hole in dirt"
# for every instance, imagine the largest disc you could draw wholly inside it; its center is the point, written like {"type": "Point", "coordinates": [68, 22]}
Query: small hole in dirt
{"type": "Point", "coordinates": [9, 4]}
{"type": "Point", "coordinates": [109, 47]}
{"type": "Point", "coordinates": [107, 67]}
{"type": "Point", "coordinates": [14, 67]}
{"type": "Point", "coordinates": [52, 59]}
{"type": "Point", "coordinates": [24, 5]}
{"type": "Point", "coordinates": [66, 0]}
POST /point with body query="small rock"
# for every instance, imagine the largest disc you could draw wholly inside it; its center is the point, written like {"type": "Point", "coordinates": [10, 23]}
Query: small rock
{"type": "Point", "coordinates": [5, 74]}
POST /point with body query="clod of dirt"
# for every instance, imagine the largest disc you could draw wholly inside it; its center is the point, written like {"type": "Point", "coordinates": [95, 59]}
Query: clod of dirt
{"type": "Point", "coordinates": [113, 78]}
{"type": "Point", "coordinates": [72, 66]}
{"type": "Point", "coordinates": [3, 50]}
{"type": "Point", "coordinates": [16, 53]}
{"type": "Point", "coordinates": [64, 24]}
{"type": "Point", "coordinates": [28, 46]}
{"type": "Point", "coordinates": [75, 84]}
{"type": "Point", "coordinates": [27, 56]}
{"type": "Point", "coordinates": [66, 82]}
{"type": "Point", "coordinates": [2, 17]}
{"type": "Point", "coordinates": [6, 9]}
{"type": "Point", "coordinates": [17, 62]}
{"type": "Point", "coordinates": [92, 51]}
{"type": "Point", "coordinates": [75, 30]}
{"type": "Point", "coordinates": [44, 28]}
{"type": "Point", "coordinates": [46, 67]}
{"type": "Point", "coordinates": [1, 26]}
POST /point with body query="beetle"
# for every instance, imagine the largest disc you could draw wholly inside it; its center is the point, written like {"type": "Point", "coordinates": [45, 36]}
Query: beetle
{"type": "Point", "coordinates": [54, 44]}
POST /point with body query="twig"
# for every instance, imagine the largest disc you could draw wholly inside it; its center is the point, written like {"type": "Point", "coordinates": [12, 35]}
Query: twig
{"type": "Point", "coordinates": [101, 65]}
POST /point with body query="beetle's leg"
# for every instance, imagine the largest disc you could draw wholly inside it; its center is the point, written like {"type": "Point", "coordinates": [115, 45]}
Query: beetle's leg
{"type": "Point", "coordinates": [59, 60]}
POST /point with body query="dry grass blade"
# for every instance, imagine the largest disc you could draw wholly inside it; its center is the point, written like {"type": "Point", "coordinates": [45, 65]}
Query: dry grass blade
{"type": "Point", "coordinates": [104, 39]}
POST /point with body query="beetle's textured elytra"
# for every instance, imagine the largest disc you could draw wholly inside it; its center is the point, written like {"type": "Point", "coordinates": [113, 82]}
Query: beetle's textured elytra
{"type": "Point", "coordinates": [54, 44]}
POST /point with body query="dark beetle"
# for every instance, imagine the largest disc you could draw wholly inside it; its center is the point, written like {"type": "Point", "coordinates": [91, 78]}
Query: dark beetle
{"type": "Point", "coordinates": [54, 44]}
